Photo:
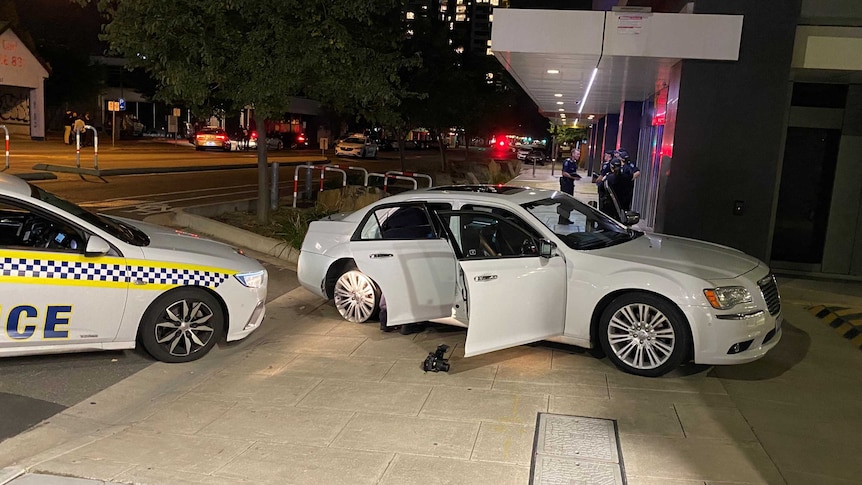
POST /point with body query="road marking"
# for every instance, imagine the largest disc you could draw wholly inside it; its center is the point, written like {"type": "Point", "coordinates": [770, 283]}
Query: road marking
{"type": "Point", "coordinates": [836, 318]}
{"type": "Point", "coordinates": [113, 203]}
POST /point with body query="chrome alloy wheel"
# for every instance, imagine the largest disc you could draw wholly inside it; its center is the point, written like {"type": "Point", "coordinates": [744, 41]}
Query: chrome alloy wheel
{"type": "Point", "coordinates": [641, 336]}
{"type": "Point", "coordinates": [185, 328]}
{"type": "Point", "coordinates": [355, 296]}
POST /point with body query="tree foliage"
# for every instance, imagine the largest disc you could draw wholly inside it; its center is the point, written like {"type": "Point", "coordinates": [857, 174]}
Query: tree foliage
{"type": "Point", "coordinates": [228, 54]}
{"type": "Point", "coordinates": [567, 134]}
{"type": "Point", "coordinates": [254, 52]}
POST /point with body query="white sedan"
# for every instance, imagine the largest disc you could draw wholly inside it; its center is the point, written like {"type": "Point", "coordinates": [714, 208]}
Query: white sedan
{"type": "Point", "coordinates": [356, 146]}
{"type": "Point", "coordinates": [516, 265]}
{"type": "Point", "coordinates": [74, 281]}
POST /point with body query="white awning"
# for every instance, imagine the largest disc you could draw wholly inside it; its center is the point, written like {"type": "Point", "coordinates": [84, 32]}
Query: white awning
{"type": "Point", "coordinates": [555, 52]}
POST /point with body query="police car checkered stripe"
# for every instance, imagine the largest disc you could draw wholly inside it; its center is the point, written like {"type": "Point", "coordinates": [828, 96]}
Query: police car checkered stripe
{"type": "Point", "coordinates": [87, 271]}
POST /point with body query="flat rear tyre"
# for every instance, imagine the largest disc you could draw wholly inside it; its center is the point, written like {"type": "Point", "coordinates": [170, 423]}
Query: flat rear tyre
{"type": "Point", "coordinates": [356, 296]}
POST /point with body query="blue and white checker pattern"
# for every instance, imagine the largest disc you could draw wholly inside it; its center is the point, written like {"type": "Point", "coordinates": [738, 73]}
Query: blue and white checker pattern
{"type": "Point", "coordinates": [84, 271]}
{"type": "Point", "coordinates": [176, 276]}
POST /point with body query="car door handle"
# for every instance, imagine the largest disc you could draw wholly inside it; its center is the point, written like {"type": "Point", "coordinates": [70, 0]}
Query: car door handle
{"type": "Point", "coordinates": [380, 255]}
{"type": "Point", "coordinates": [488, 277]}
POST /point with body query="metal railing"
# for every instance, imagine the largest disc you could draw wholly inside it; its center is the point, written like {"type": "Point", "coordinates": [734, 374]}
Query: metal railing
{"type": "Point", "coordinates": [7, 145]}
{"type": "Point", "coordinates": [95, 147]}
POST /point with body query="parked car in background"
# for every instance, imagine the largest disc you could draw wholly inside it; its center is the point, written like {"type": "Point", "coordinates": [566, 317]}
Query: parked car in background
{"type": "Point", "coordinates": [240, 139]}
{"type": "Point", "coordinates": [537, 156]}
{"type": "Point", "coordinates": [523, 151]}
{"type": "Point", "coordinates": [356, 146]}
{"type": "Point", "coordinates": [286, 139]}
{"type": "Point", "coordinates": [516, 265]}
{"type": "Point", "coordinates": [212, 137]}
{"type": "Point", "coordinates": [75, 281]}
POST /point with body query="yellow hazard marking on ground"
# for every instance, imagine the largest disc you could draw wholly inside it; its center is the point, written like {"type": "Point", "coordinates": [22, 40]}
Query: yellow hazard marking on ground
{"type": "Point", "coordinates": [850, 329]}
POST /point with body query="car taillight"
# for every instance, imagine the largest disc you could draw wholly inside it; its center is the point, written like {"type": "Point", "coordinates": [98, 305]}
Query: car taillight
{"type": "Point", "coordinates": [253, 135]}
{"type": "Point", "coordinates": [300, 139]}
{"type": "Point", "coordinates": [221, 137]}
{"type": "Point", "coordinates": [199, 136]}
{"type": "Point", "coordinates": [502, 143]}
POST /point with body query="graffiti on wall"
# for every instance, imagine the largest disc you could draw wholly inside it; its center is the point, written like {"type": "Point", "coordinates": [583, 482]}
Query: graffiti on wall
{"type": "Point", "coordinates": [14, 108]}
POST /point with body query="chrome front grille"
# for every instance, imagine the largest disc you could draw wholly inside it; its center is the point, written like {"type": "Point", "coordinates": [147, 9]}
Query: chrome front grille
{"type": "Point", "coordinates": [769, 289]}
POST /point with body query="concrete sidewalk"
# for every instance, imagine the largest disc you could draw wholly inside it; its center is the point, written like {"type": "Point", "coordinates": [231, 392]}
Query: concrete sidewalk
{"type": "Point", "coordinates": [313, 399]}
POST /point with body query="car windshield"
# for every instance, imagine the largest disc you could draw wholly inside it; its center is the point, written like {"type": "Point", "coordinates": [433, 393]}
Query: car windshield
{"type": "Point", "coordinates": [355, 140]}
{"type": "Point", "coordinates": [579, 225]}
{"type": "Point", "coordinates": [124, 232]}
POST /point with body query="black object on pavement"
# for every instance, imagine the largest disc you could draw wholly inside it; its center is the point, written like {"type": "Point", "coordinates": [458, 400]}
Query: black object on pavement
{"type": "Point", "coordinates": [435, 361]}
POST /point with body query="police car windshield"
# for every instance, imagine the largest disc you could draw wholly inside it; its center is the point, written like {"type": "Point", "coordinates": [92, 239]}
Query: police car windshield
{"type": "Point", "coordinates": [579, 225]}
{"type": "Point", "coordinates": [123, 232]}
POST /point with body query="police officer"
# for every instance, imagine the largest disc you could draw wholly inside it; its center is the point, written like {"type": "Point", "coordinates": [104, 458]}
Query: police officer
{"type": "Point", "coordinates": [630, 173]}
{"type": "Point", "coordinates": [570, 173]}
{"type": "Point", "coordinates": [606, 166]}
{"type": "Point", "coordinates": [610, 188]}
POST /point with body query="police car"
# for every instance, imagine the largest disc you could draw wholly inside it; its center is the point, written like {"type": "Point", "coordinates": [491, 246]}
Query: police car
{"type": "Point", "coordinates": [74, 281]}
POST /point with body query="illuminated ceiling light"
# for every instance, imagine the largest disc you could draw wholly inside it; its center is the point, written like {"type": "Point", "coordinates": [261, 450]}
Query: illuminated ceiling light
{"type": "Point", "coordinates": [589, 86]}
{"type": "Point", "coordinates": [591, 117]}
{"type": "Point", "coordinates": [560, 102]}
{"type": "Point", "coordinates": [553, 71]}
{"type": "Point", "coordinates": [563, 115]}
{"type": "Point", "coordinates": [558, 95]}
{"type": "Point", "coordinates": [561, 109]}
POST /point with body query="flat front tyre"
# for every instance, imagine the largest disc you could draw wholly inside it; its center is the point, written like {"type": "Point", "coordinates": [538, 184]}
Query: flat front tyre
{"type": "Point", "coordinates": [182, 326]}
{"type": "Point", "coordinates": [644, 335]}
{"type": "Point", "coordinates": [356, 296]}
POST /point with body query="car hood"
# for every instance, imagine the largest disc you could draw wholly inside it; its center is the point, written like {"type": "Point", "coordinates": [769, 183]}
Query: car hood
{"type": "Point", "coordinates": [701, 259]}
{"type": "Point", "coordinates": [172, 244]}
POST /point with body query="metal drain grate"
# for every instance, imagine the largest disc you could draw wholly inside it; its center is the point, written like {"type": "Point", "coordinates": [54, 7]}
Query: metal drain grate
{"type": "Point", "coordinates": [576, 449]}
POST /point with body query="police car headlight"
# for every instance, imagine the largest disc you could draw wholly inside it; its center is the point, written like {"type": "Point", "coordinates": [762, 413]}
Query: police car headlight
{"type": "Point", "coordinates": [252, 280]}
{"type": "Point", "coordinates": [727, 297]}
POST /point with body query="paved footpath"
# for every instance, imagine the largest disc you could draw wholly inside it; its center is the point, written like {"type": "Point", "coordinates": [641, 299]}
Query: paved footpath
{"type": "Point", "coordinates": [312, 399]}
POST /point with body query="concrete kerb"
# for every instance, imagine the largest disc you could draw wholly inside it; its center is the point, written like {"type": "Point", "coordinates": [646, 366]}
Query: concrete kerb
{"type": "Point", "coordinates": [197, 219]}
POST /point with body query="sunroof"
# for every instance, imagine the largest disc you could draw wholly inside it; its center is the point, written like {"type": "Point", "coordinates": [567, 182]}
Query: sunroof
{"type": "Point", "coordinates": [489, 189]}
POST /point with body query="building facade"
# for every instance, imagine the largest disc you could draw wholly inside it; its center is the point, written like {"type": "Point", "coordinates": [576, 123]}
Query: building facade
{"type": "Point", "coordinates": [744, 117]}
{"type": "Point", "coordinates": [22, 91]}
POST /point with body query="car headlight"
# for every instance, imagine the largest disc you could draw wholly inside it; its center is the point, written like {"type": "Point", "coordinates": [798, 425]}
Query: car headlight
{"type": "Point", "coordinates": [727, 297]}
{"type": "Point", "coordinates": [252, 280]}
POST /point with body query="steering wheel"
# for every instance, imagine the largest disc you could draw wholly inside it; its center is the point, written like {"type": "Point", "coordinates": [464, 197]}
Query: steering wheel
{"type": "Point", "coordinates": [36, 232]}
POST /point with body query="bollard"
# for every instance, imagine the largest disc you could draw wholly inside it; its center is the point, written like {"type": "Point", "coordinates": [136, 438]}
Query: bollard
{"type": "Point", "coordinates": [273, 193]}
{"type": "Point", "coordinates": [7, 145]}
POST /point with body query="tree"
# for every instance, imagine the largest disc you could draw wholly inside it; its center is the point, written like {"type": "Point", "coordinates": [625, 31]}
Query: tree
{"type": "Point", "coordinates": [567, 134]}
{"type": "Point", "coordinates": [235, 53]}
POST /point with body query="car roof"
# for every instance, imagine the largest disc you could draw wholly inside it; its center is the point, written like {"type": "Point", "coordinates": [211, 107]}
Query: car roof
{"type": "Point", "coordinates": [509, 193]}
{"type": "Point", "coordinates": [12, 184]}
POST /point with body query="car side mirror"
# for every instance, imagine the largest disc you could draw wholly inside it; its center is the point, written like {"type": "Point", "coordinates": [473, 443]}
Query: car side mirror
{"type": "Point", "coordinates": [546, 248]}
{"type": "Point", "coordinates": [632, 218]}
{"type": "Point", "coordinates": [97, 246]}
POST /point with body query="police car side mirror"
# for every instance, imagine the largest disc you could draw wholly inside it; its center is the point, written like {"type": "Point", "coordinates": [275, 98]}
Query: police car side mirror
{"type": "Point", "coordinates": [97, 246]}
{"type": "Point", "coordinates": [546, 248]}
{"type": "Point", "coordinates": [632, 218]}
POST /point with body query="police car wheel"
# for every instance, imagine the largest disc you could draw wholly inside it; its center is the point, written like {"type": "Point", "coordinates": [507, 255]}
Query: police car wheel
{"type": "Point", "coordinates": [356, 296]}
{"type": "Point", "coordinates": [182, 325]}
{"type": "Point", "coordinates": [644, 334]}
